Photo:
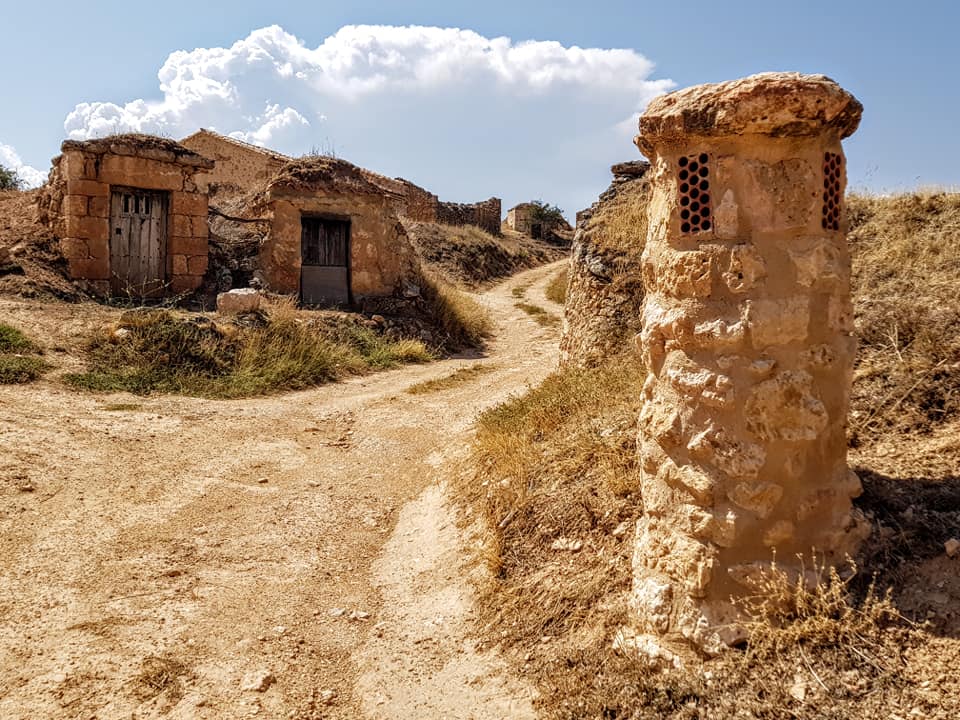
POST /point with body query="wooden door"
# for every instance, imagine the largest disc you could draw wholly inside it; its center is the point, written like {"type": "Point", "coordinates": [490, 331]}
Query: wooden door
{"type": "Point", "coordinates": [325, 261]}
{"type": "Point", "coordinates": [138, 242]}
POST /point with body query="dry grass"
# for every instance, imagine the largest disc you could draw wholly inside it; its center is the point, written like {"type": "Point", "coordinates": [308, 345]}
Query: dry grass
{"type": "Point", "coordinates": [906, 265]}
{"type": "Point", "coordinates": [160, 675]}
{"type": "Point", "coordinates": [557, 288]}
{"type": "Point", "coordinates": [157, 351]}
{"type": "Point", "coordinates": [542, 317]}
{"type": "Point", "coordinates": [463, 320]}
{"type": "Point", "coordinates": [20, 360]}
{"type": "Point", "coordinates": [455, 379]}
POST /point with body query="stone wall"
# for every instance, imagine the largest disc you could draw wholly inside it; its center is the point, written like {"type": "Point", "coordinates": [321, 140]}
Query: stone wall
{"type": "Point", "coordinates": [748, 340]}
{"type": "Point", "coordinates": [421, 205]}
{"type": "Point", "coordinates": [484, 215]}
{"type": "Point", "coordinates": [239, 167]}
{"type": "Point", "coordinates": [605, 286]}
{"type": "Point", "coordinates": [76, 204]}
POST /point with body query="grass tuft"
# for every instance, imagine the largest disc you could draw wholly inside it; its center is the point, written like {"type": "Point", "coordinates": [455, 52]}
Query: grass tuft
{"type": "Point", "coordinates": [464, 321]}
{"type": "Point", "coordinates": [19, 361]}
{"type": "Point", "coordinates": [542, 317]}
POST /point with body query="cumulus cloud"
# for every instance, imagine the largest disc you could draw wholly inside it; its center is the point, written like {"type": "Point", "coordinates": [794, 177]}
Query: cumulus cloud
{"type": "Point", "coordinates": [30, 176]}
{"type": "Point", "coordinates": [466, 115]}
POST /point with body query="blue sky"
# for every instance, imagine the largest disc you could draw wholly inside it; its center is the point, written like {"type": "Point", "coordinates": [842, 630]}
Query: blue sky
{"type": "Point", "coordinates": [536, 121]}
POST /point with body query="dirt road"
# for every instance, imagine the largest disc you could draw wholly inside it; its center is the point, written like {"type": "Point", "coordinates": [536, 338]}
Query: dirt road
{"type": "Point", "coordinates": [289, 556]}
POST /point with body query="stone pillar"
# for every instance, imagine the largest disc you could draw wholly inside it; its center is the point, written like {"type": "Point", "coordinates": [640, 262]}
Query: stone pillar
{"type": "Point", "coordinates": [748, 340]}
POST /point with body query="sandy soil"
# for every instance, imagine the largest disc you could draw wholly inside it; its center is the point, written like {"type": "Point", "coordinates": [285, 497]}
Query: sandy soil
{"type": "Point", "coordinates": [157, 555]}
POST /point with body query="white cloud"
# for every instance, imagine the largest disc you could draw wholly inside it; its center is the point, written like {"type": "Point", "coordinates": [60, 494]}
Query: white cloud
{"type": "Point", "coordinates": [30, 176]}
{"type": "Point", "coordinates": [466, 115]}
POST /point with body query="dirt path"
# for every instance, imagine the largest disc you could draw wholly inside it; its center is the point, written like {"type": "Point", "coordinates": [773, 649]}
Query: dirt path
{"type": "Point", "coordinates": [159, 554]}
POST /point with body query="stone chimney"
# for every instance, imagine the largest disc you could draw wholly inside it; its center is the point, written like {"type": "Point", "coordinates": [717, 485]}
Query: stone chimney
{"type": "Point", "coordinates": [748, 341]}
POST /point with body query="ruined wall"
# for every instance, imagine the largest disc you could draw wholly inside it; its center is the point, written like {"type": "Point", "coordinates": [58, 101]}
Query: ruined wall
{"type": "Point", "coordinates": [76, 204]}
{"type": "Point", "coordinates": [239, 167]}
{"type": "Point", "coordinates": [484, 215]}
{"type": "Point", "coordinates": [748, 340]}
{"type": "Point", "coordinates": [381, 256]}
{"type": "Point", "coordinates": [605, 286]}
{"type": "Point", "coordinates": [421, 205]}
{"type": "Point", "coordinates": [519, 218]}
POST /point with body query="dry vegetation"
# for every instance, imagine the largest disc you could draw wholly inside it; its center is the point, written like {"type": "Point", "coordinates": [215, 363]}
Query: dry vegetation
{"type": "Point", "coordinates": [469, 256]}
{"type": "Point", "coordinates": [158, 351]}
{"type": "Point", "coordinates": [557, 288]}
{"type": "Point", "coordinates": [454, 379]}
{"type": "Point", "coordinates": [555, 480]}
{"type": "Point", "coordinates": [20, 360]}
{"type": "Point", "coordinates": [539, 314]}
{"type": "Point", "coordinates": [463, 321]}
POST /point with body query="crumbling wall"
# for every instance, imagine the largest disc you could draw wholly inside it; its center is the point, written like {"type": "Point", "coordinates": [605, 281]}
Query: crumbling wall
{"type": "Point", "coordinates": [75, 203]}
{"type": "Point", "coordinates": [748, 341]}
{"type": "Point", "coordinates": [484, 215]}
{"type": "Point", "coordinates": [605, 286]}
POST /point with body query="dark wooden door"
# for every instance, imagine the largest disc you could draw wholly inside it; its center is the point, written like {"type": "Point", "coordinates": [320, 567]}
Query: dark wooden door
{"type": "Point", "coordinates": [138, 242]}
{"type": "Point", "coordinates": [325, 261]}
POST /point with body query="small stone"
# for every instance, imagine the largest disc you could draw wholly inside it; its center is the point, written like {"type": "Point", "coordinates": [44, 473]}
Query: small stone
{"type": "Point", "coordinates": [359, 615]}
{"type": "Point", "coordinates": [337, 612]}
{"type": "Point", "coordinates": [280, 629]}
{"type": "Point", "coordinates": [379, 629]}
{"type": "Point", "coordinates": [621, 529]}
{"type": "Point", "coordinates": [566, 544]}
{"type": "Point", "coordinates": [263, 481]}
{"type": "Point", "coordinates": [798, 691]}
{"type": "Point", "coordinates": [952, 547]}
{"type": "Point", "coordinates": [327, 696]}
{"type": "Point", "coordinates": [257, 681]}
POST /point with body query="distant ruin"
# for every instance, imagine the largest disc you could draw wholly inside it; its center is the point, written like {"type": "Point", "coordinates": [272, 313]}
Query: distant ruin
{"type": "Point", "coordinates": [749, 342]}
{"type": "Point", "coordinates": [129, 214]}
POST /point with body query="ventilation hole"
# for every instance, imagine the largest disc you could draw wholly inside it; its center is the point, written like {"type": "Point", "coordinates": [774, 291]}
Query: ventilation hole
{"type": "Point", "coordinates": [694, 202]}
{"type": "Point", "coordinates": [832, 197]}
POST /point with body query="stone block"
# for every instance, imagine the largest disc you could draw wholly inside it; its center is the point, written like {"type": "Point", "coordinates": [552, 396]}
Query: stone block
{"type": "Point", "coordinates": [182, 225]}
{"type": "Point", "coordinates": [188, 245]}
{"type": "Point", "coordinates": [90, 188]}
{"type": "Point", "coordinates": [238, 301]}
{"type": "Point", "coordinates": [90, 268]}
{"type": "Point", "coordinates": [140, 173]}
{"type": "Point", "coordinates": [74, 205]}
{"type": "Point", "coordinates": [197, 264]}
{"type": "Point", "coordinates": [74, 166]}
{"type": "Point", "coordinates": [99, 207]}
{"type": "Point", "coordinates": [89, 228]}
{"type": "Point", "coordinates": [179, 264]}
{"type": "Point", "coordinates": [199, 226]}
{"type": "Point", "coordinates": [74, 248]}
{"type": "Point", "coordinates": [99, 248]}
{"type": "Point", "coordinates": [188, 203]}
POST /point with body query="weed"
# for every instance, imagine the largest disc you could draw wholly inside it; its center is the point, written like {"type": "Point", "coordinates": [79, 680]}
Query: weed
{"type": "Point", "coordinates": [121, 407]}
{"type": "Point", "coordinates": [458, 377]}
{"type": "Point", "coordinates": [13, 340]}
{"type": "Point", "coordinates": [160, 675]}
{"type": "Point", "coordinates": [461, 318]}
{"type": "Point", "coordinates": [520, 291]}
{"type": "Point", "coordinates": [541, 316]}
{"type": "Point", "coordinates": [19, 361]}
{"type": "Point", "coordinates": [557, 288]}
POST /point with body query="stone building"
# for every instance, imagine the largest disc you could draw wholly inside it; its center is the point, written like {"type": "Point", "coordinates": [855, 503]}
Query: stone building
{"type": "Point", "coordinates": [239, 166]}
{"type": "Point", "coordinates": [129, 213]}
{"type": "Point", "coordinates": [527, 218]}
{"type": "Point", "coordinates": [748, 340]}
{"type": "Point", "coordinates": [601, 314]}
{"type": "Point", "coordinates": [333, 236]}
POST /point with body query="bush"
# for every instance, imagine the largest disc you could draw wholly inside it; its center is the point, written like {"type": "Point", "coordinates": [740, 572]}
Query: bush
{"type": "Point", "coordinates": [9, 180]}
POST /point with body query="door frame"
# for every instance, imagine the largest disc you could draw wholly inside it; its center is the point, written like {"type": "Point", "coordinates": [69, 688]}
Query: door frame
{"type": "Point", "coordinates": [348, 221]}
